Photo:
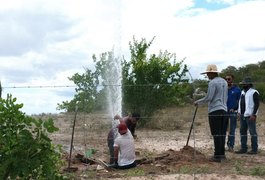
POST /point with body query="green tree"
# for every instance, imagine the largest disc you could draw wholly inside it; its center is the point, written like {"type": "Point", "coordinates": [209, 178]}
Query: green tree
{"type": "Point", "coordinates": [148, 83]}
{"type": "Point", "coordinates": [26, 151]}
{"type": "Point", "coordinates": [232, 70]}
{"type": "Point", "coordinates": [0, 90]}
{"type": "Point", "coordinates": [91, 91]}
{"type": "Point", "coordinates": [151, 83]}
{"type": "Point", "coordinates": [255, 71]}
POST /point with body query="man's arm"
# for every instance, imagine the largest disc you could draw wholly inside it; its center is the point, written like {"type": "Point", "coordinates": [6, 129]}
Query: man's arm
{"type": "Point", "coordinates": [209, 94]}
{"type": "Point", "coordinates": [116, 154]}
{"type": "Point", "coordinates": [256, 103]}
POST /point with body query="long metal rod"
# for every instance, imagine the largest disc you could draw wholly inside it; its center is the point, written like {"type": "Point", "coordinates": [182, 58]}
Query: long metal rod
{"type": "Point", "coordinates": [194, 115]}
{"type": "Point", "coordinates": [72, 139]}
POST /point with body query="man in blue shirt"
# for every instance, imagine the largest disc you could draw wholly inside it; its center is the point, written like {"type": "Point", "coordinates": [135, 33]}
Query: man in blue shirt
{"type": "Point", "coordinates": [234, 93]}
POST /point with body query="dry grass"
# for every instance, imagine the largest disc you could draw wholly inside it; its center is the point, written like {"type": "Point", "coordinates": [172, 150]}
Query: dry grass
{"type": "Point", "coordinates": [167, 129]}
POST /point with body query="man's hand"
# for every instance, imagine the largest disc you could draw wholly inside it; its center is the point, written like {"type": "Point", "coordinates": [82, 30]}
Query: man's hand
{"type": "Point", "coordinates": [134, 136]}
{"type": "Point", "coordinates": [252, 118]}
{"type": "Point", "coordinates": [238, 116]}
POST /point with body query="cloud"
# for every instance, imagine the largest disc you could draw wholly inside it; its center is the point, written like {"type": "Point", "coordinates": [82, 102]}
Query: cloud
{"type": "Point", "coordinates": [23, 31]}
{"type": "Point", "coordinates": [44, 42]}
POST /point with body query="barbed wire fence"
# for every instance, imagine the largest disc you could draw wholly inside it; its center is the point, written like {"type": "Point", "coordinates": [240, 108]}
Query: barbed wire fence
{"type": "Point", "coordinates": [91, 129]}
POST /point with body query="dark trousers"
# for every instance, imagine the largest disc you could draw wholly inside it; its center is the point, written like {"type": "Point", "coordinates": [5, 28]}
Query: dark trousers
{"type": "Point", "coordinates": [245, 125]}
{"type": "Point", "coordinates": [218, 123]}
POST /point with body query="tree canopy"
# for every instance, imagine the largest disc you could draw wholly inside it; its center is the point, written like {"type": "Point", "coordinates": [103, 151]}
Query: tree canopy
{"type": "Point", "coordinates": [149, 81]}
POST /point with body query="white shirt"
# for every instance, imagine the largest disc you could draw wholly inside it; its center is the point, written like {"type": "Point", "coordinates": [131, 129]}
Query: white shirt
{"type": "Point", "coordinates": [126, 146]}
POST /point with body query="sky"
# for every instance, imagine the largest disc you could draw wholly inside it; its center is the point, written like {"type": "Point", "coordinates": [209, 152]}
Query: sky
{"type": "Point", "coordinates": [42, 43]}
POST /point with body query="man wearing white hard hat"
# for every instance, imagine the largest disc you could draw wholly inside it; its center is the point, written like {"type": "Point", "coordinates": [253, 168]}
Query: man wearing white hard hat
{"type": "Point", "coordinates": [216, 98]}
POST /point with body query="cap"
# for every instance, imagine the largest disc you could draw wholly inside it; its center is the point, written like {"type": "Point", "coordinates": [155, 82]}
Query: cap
{"type": "Point", "coordinates": [246, 80]}
{"type": "Point", "coordinates": [122, 128]}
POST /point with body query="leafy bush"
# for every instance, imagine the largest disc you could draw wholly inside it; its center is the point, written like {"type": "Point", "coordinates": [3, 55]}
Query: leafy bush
{"type": "Point", "coordinates": [152, 83]}
{"type": "Point", "coordinates": [26, 151]}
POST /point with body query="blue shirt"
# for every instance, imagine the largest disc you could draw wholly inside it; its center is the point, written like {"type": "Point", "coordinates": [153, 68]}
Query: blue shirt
{"type": "Point", "coordinates": [233, 97]}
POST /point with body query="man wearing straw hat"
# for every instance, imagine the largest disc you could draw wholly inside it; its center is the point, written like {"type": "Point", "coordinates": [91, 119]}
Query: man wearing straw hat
{"type": "Point", "coordinates": [216, 98]}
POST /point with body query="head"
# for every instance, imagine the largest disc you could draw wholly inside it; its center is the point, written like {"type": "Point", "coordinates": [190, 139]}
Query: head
{"type": "Point", "coordinates": [246, 83]}
{"type": "Point", "coordinates": [211, 71]}
{"type": "Point", "coordinates": [122, 128]}
{"type": "Point", "coordinates": [229, 79]}
{"type": "Point", "coordinates": [135, 117]}
{"type": "Point", "coordinates": [118, 117]}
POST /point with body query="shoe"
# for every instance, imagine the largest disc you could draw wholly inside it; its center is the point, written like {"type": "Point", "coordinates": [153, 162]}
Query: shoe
{"type": "Point", "coordinates": [241, 151]}
{"type": "Point", "coordinates": [215, 159]}
{"type": "Point", "coordinates": [230, 149]}
{"type": "Point", "coordinates": [252, 152]}
{"type": "Point", "coordinates": [223, 157]}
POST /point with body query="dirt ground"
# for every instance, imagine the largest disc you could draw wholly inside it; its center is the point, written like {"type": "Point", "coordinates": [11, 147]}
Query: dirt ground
{"type": "Point", "coordinates": [161, 154]}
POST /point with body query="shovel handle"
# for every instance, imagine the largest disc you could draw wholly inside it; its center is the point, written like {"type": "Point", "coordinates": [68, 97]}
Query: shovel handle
{"type": "Point", "coordinates": [191, 127]}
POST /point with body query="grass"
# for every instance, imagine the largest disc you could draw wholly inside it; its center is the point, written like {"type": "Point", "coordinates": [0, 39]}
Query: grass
{"type": "Point", "coordinates": [135, 172]}
{"type": "Point", "coordinates": [189, 169]}
{"type": "Point", "coordinates": [239, 167]}
{"type": "Point", "coordinates": [258, 171]}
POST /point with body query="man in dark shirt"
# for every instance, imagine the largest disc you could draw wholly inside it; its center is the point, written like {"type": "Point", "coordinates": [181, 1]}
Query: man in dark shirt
{"type": "Point", "coordinates": [131, 122]}
{"type": "Point", "coordinates": [248, 108]}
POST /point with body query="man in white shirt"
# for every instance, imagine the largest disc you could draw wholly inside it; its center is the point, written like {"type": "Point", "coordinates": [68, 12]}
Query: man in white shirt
{"type": "Point", "coordinates": [248, 109]}
{"type": "Point", "coordinates": [124, 149]}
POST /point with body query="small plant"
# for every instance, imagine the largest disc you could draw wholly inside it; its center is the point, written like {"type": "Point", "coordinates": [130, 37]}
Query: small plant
{"type": "Point", "coordinates": [258, 171]}
{"type": "Point", "coordinates": [185, 169]}
{"type": "Point", "coordinates": [89, 153]}
{"type": "Point", "coordinates": [239, 167]}
{"type": "Point", "coordinates": [26, 151]}
{"type": "Point", "coordinates": [135, 172]}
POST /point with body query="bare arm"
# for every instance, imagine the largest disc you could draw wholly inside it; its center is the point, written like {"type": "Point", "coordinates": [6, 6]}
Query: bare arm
{"type": "Point", "coordinates": [116, 153]}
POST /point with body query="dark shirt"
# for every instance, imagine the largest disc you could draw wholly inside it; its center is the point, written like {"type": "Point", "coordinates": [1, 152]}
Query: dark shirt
{"type": "Point", "coordinates": [242, 104]}
{"type": "Point", "coordinates": [131, 126]}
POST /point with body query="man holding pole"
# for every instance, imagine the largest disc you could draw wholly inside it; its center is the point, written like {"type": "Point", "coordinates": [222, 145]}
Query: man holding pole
{"type": "Point", "coordinates": [216, 98]}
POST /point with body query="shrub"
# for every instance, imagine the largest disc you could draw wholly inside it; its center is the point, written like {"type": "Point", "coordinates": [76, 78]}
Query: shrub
{"type": "Point", "coordinates": [26, 151]}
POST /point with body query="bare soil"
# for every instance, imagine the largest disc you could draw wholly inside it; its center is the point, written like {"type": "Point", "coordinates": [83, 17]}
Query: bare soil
{"type": "Point", "coordinates": [161, 152]}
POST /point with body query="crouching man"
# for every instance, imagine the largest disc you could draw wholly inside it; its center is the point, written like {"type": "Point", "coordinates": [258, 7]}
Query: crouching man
{"type": "Point", "coordinates": [124, 149]}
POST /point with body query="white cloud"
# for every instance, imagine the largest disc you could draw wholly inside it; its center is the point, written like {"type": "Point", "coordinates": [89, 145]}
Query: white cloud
{"type": "Point", "coordinates": [44, 42]}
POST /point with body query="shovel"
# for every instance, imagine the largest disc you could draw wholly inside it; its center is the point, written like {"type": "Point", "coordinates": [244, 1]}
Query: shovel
{"type": "Point", "coordinates": [69, 168]}
{"type": "Point", "coordinates": [192, 125]}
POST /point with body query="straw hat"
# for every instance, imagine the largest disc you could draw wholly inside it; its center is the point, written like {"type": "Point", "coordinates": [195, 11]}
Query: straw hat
{"type": "Point", "coordinates": [211, 68]}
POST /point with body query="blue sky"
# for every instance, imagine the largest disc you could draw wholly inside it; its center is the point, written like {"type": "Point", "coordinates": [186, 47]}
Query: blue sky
{"type": "Point", "coordinates": [212, 5]}
{"type": "Point", "coordinates": [45, 42]}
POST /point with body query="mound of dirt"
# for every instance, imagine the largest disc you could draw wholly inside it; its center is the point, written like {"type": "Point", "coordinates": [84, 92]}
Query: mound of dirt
{"type": "Point", "coordinates": [186, 155]}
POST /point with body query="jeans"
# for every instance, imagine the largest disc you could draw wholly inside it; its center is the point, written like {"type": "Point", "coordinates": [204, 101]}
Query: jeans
{"type": "Point", "coordinates": [245, 125]}
{"type": "Point", "coordinates": [232, 128]}
{"type": "Point", "coordinates": [218, 124]}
